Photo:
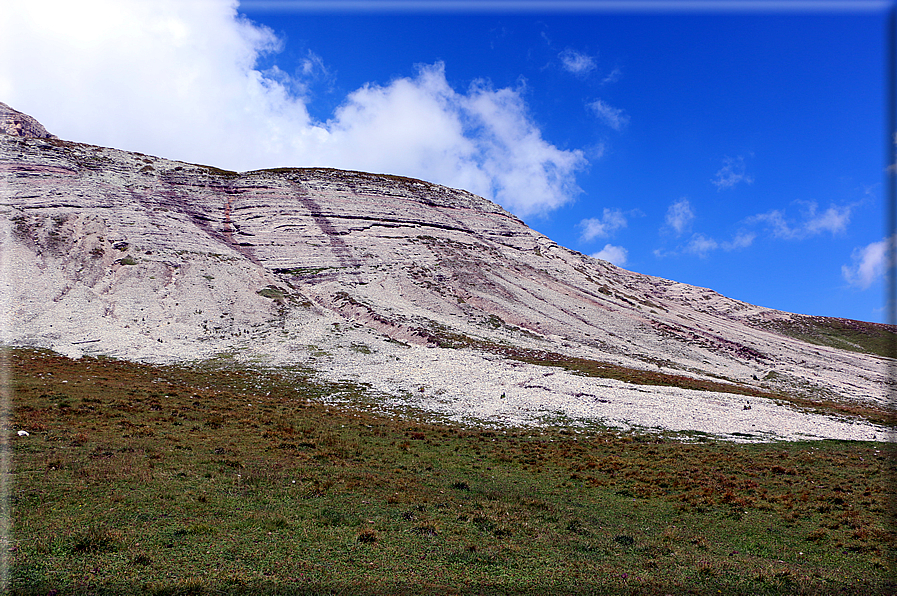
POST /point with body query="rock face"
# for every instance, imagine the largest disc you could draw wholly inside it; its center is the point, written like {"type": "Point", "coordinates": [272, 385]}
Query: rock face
{"type": "Point", "coordinates": [18, 124]}
{"type": "Point", "coordinates": [405, 285]}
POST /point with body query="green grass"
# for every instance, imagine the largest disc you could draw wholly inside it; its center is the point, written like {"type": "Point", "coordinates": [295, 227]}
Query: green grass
{"type": "Point", "coordinates": [213, 480]}
{"type": "Point", "coordinates": [846, 334]}
{"type": "Point", "coordinates": [279, 295]}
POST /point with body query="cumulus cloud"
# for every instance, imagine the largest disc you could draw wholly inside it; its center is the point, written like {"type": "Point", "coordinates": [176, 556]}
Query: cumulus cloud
{"type": "Point", "coordinates": [679, 216]}
{"type": "Point", "coordinates": [811, 223]}
{"type": "Point", "coordinates": [870, 262]}
{"type": "Point", "coordinates": [181, 80]}
{"type": "Point", "coordinates": [482, 141]}
{"type": "Point", "coordinates": [613, 117]}
{"type": "Point", "coordinates": [732, 173]}
{"type": "Point", "coordinates": [614, 254]}
{"type": "Point", "coordinates": [576, 62]}
{"type": "Point", "coordinates": [610, 221]}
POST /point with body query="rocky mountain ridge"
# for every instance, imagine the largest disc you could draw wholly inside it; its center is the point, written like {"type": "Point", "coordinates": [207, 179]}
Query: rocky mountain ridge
{"type": "Point", "coordinates": [17, 124]}
{"type": "Point", "coordinates": [383, 280]}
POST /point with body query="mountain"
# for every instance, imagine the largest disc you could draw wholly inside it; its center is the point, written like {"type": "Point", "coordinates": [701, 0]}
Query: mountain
{"type": "Point", "coordinates": [433, 297]}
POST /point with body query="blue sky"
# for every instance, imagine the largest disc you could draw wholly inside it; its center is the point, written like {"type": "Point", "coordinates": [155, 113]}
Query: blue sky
{"type": "Point", "coordinates": [742, 151]}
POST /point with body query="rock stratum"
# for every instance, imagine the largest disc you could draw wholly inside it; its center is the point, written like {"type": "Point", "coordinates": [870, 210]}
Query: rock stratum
{"type": "Point", "coordinates": [433, 297]}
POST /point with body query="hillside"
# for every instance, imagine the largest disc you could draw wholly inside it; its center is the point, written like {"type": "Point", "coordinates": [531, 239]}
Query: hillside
{"type": "Point", "coordinates": [433, 297]}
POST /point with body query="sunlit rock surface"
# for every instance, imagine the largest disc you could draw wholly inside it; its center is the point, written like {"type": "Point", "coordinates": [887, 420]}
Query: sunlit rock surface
{"type": "Point", "coordinates": [426, 293]}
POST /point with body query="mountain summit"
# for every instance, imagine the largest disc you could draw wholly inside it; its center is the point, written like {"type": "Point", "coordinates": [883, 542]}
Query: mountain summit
{"type": "Point", "coordinates": [432, 296]}
{"type": "Point", "coordinates": [17, 124]}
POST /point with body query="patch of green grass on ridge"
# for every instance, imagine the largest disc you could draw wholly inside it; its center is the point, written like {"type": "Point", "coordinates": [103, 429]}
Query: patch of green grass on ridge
{"type": "Point", "coordinates": [846, 334]}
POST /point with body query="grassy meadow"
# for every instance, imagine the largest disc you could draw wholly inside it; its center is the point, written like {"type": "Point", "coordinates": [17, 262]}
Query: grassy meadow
{"type": "Point", "coordinates": [211, 479]}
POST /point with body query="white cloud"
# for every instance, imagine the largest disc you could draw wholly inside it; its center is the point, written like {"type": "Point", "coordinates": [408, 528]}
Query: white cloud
{"type": "Point", "coordinates": [610, 221]}
{"type": "Point", "coordinates": [614, 254]}
{"type": "Point", "coordinates": [870, 262]}
{"type": "Point", "coordinates": [732, 172]}
{"type": "Point", "coordinates": [613, 117]}
{"type": "Point", "coordinates": [775, 221]}
{"type": "Point", "coordinates": [180, 80]}
{"type": "Point", "coordinates": [577, 62]}
{"type": "Point", "coordinates": [310, 70]}
{"type": "Point", "coordinates": [679, 215]}
{"type": "Point", "coordinates": [834, 220]}
{"type": "Point", "coordinates": [701, 245]}
{"type": "Point", "coordinates": [312, 64]}
{"type": "Point", "coordinates": [741, 240]}
{"type": "Point", "coordinates": [812, 223]}
{"type": "Point", "coordinates": [612, 77]}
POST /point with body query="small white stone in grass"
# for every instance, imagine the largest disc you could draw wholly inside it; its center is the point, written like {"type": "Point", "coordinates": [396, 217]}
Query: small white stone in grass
{"type": "Point", "coordinates": [23, 433]}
